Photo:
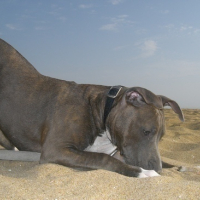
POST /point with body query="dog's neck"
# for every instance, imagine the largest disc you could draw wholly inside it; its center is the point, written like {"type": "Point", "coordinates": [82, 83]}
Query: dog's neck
{"type": "Point", "coordinates": [102, 99]}
{"type": "Point", "coordinates": [97, 98]}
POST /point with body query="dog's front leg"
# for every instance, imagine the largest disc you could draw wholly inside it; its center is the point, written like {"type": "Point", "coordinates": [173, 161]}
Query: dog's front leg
{"type": "Point", "coordinates": [80, 159]}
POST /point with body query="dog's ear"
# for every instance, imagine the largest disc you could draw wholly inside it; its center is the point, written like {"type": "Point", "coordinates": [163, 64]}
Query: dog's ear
{"type": "Point", "coordinates": [175, 107]}
{"type": "Point", "coordinates": [139, 96]}
{"type": "Point", "coordinates": [134, 98]}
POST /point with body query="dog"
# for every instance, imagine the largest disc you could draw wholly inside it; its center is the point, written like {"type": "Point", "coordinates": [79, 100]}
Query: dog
{"type": "Point", "coordinates": [80, 125]}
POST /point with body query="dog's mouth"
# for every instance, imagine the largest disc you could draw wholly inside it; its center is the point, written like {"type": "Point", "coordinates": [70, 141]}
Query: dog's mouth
{"type": "Point", "coordinates": [148, 166]}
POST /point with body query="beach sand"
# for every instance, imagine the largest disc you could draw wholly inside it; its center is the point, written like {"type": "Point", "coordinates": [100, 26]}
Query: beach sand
{"type": "Point", "coordinates": [180, 146]}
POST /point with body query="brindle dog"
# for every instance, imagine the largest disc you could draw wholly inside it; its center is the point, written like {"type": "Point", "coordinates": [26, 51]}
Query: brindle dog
{"type": "Point", "coordinates": [62, 119]}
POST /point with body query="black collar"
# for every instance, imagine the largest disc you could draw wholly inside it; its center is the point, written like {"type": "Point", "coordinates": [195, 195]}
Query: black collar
{"type": "Point", "coordinates": [112, 94]}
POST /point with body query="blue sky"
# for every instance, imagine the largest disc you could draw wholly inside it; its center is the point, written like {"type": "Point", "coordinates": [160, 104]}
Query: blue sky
{"type": "Point", "coordinates": [153, 44]}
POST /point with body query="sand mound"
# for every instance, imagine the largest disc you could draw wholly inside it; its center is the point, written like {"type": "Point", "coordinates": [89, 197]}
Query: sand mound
{"type": "Point", "coordinates": [180, 146]}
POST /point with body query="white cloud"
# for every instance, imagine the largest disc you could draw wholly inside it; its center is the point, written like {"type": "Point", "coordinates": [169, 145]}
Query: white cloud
{"type": "Point", "coordinates": [196, 31]}
{"type": "Point", "coordinates": [164, 12]}
{"type": "Point", "coordinates": [189, 30]}
{"type": "Point", "coordinates": [116, 2]}
{"type": "Point", "coordinates": [120, 47]}
{"type": "Point", "coordinates": [148, 48]}
{"type": "Point", "coordinates": [84, 6]}
{"type": "Point", "coordinates": [57, 13]}
{"type": "Point", "coordinates": [182, 29]}
{"type": "Point", "coordinates": [109, 27]}
{"type": "Point", "coordinates": [13, 27]}
{"type": "Point", "coordinates": [140, 31]}
{"type": "Point", "coordinates": [56, 7]}
{"type": "Point", "coordinates": [63, 19]}
{"type": "Point", "coordinates": [116, 23]}
{"type": "Point", "coordinates": [169, 26]}
{"type": "Point", "coordinates": [120, 19]}
{"type": "Point", "coordinates": [185, 28]}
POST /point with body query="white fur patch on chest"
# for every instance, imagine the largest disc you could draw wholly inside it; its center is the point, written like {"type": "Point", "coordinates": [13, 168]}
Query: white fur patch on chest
{"type": "Point", "coordinates": [102, 145]}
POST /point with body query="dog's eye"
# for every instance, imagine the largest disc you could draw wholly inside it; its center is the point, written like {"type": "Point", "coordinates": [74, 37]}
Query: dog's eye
{"type": "Point", "coordinates": [146, 133]}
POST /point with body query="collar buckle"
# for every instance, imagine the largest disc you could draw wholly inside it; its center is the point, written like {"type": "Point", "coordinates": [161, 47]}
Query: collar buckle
{"type": "Point", "coordinates": [112, 94]}
{"type": "Point", "coordinates": [114, 91]}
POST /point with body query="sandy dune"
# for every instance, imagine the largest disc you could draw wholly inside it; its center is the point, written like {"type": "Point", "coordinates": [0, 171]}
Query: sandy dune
{"type": "Point", "coordinates": [180, 146]}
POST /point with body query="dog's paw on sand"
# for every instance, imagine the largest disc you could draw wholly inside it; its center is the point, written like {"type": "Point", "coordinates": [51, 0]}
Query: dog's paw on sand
{"type": "Point", "coordinates": [147, 173]}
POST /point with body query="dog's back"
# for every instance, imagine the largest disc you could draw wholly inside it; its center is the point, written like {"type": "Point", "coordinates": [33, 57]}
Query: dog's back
{"type": "Point", "coordinates": [11, 58]}
{"type": "Point", "coordinates": [28, 101]}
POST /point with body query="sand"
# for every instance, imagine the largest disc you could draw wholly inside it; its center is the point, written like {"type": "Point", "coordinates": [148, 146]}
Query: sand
{"type": "Point", "coordinates": [180, 146]}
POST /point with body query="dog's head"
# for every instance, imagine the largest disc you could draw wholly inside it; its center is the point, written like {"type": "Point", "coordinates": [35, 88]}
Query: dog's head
{"type": "Point", "coordinates": [136, 124]}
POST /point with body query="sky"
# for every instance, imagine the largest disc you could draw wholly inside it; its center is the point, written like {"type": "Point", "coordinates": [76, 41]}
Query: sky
{"type": "Point", "coordinates": [153, 44]}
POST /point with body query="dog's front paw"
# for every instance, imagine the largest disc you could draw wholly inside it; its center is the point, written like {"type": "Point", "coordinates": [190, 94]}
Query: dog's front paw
{"type": "Point", "coordinates": [147, 173]}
